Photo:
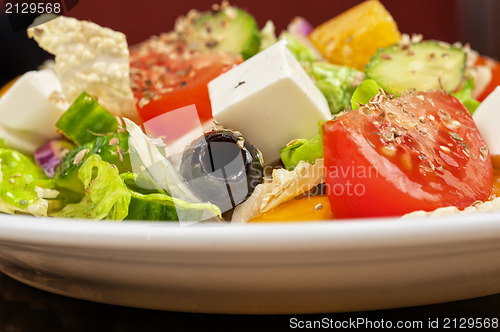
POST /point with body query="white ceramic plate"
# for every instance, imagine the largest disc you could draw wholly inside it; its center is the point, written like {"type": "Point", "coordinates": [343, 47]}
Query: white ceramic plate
{"type": "Point", "coordinates": [257, 268]}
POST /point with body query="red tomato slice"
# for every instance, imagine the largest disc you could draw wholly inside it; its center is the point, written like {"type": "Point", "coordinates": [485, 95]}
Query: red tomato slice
{"type": "Point", "coordinates": [167, 75]}
{"type": "Point", "coordinates": [495, 75]}
{"type": "Point", "coordinates": [420, 151]}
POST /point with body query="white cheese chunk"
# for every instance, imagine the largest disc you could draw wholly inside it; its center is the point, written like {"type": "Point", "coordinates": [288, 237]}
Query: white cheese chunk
{"type": "Point", "coordinates": [19, 140]}
{"type": "Point", "coordinates": [487, 118]}
{"type": "Point", "coordinates": [33, 105]}
{"type": "Point", "coordinates": [270, 99]}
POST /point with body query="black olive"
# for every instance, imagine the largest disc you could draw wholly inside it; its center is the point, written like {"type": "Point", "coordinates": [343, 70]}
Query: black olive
{"type": "Point", "coordinates": [222, 168]}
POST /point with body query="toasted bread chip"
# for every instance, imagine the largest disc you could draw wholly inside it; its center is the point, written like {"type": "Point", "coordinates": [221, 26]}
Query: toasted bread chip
{"type": "Point", "coordinates": [89, 58]}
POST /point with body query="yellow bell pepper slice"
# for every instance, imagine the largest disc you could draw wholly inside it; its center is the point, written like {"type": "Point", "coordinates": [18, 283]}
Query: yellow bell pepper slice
{"type": "Point", "coordinates": [352, 37]}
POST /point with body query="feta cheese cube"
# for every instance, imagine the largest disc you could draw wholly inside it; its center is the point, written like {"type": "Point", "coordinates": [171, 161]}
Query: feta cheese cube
{"type": "Point", "coordinates": [33, 105]}
{"type": "Point", "coordinates": [270, 99]}
{"type": "Point", "coordinates": [487, 118]}
{"type": "Point", "coordinates": [19, 141]}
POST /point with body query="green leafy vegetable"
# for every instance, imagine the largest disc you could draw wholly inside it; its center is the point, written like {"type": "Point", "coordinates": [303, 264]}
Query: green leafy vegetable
{"type": "Point", "coordinates": [299, 50]}
{"type": "Point", "coordinates": [364, 92]}
{"type": "Point", "coordinates": [302, 149]}
{"type": "Point", "coordinates": [106, 196]}
{"type": "Point", "coordinates": [86, 119]}
{"type": "Point", "coordinates": [337, 83]}
{"type": "Point", "coordinates": [112, 148]}
{"type": "Point", "coordinates": [267, 35]}
{"type": "Point", "coordinates": [465, 96]}
{"type": "Point", "coordinates": [24, 187]}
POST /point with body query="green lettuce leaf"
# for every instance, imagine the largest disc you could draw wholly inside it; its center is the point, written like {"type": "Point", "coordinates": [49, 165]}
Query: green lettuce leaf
{"type": "Point", "coordinates": [106, 196]}
{"type": "Point", "coordinates": [267, 35]}
{"type": "Point", "coordinates": [302, 149]}
{"type": "Point", "coordinates": [465, 96]}
{"type": "Point", "coordinates": [299, 50]}
{"type": "Point", "coordinates": [364, 92]}
{"type": "Point", "coordinates": [24, 187]}
{"type": "Point", "coordinates": [337, 83]}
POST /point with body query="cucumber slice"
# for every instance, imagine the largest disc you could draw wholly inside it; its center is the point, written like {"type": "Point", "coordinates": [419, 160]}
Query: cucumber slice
{"type": "Point", "coordinates": [229, 29]}
{"type": "Point", "coordinates": [85, 119]}
{"type": "Point", "coordinates": [66, 175]}
{"type": "Point", "coordinates": [151, 205]}
{"type": "Point", "coordinates": [423, 66]}
{"type": "Point", "coordinates": [155, 204]}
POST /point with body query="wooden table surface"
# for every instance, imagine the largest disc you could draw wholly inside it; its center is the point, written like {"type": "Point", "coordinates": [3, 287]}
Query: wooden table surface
{"type": "Point", "coordinates": [26, 309]}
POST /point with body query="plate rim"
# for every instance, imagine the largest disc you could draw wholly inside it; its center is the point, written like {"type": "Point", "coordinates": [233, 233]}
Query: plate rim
{"type": "Point", "coordinates": [258, 237]}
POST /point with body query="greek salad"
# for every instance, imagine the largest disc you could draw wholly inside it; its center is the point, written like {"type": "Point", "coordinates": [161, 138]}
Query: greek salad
{"type": "Point", "coordinates": [222, 120]}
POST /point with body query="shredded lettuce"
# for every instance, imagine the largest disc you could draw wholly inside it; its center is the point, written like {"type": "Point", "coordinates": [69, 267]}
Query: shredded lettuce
{"type": "Point", "coordinates": [337, 83]}
{"type": "Point", "coordinates": [300, 51]}
{"type": "Point", "coordinates": [24, 187]}
{"type": "Point", "coordinates": [283, 187]}
{"type": "Point", "coordinates": [106, 196]}
{"type": "Point", "coordinates": [465, 96]}
{"type": "Point", "coordinates": [267, 35]}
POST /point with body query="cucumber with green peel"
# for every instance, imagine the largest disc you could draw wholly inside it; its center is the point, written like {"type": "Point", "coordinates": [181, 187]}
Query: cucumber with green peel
{"type": "Point", "coordinates": [148, 204]}
{"type": "Point", "coordinates": [154, 204]}
{"type": "Point", "coordinates": [152, 207]}
{"type": "Point", "coordinates": [114, 149]}
{"type": "Point", "coordinates": [422, 66]}
{"type": "Point", "coordinates": [85, 119]}
{"type": "Point", "coordinates": [228, 29]}
{"type": "Point", "coordinates": [66, 175]}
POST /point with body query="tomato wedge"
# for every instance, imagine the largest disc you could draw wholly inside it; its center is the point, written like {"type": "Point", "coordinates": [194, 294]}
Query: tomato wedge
{"type": "Point", "coordinates": [420, 151]}
{"type": "Point", "coordinates": [166, 75]}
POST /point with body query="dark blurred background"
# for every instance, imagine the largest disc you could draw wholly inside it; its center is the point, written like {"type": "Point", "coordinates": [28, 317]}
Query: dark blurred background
{"type": "Point", "coordinates": [473, 21]}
